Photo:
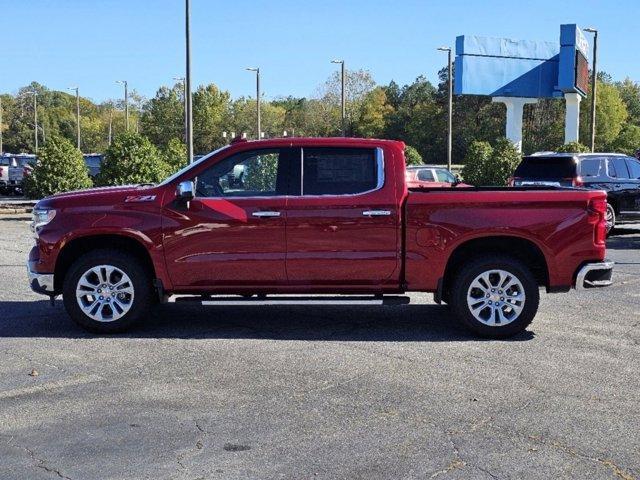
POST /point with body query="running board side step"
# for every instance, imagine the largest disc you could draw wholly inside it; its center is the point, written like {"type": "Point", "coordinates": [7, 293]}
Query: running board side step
{"type": "Point", "coordinates": [344, 300]}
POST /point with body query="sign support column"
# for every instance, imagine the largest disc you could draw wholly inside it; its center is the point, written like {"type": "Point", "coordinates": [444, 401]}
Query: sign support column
{"type": "Point", "coordinates": [572, 117]}
{"type": "Point", "coordinates": [515, 110]}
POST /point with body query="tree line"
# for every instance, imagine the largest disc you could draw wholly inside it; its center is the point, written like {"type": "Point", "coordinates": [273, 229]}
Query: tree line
{"type": "Point", "coordinates": [415, 113]}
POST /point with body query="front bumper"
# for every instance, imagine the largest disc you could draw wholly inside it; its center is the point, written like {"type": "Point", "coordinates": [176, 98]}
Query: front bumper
{"type": "Point", "coordinates": [40, 282]}
{"type": "Point", "coordinates": [594, 275]}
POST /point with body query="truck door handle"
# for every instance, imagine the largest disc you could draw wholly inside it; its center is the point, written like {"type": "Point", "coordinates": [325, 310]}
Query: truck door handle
{"type": "Point", "coordinates": [266, 213]}
{"type": "Point", "coordinates": [376, 213]}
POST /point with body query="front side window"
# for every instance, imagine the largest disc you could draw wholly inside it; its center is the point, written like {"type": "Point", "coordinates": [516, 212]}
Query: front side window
{"type": "Point", "coordinates": [339, 171]}
{"type": "Point", "coordinates": [634, 168]}
{"type": "Point", "coordinates": [255, 173]}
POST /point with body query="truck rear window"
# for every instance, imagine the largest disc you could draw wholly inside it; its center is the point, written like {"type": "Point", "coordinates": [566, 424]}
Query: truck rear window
{"type": "Point", "coordinates": [546, 168]}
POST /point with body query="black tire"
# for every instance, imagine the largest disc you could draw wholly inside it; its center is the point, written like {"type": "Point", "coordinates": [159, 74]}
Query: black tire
{"type": "Point", "coordinates": [143, 297]}
{"type": "Point", "coordinates": [462, 284]}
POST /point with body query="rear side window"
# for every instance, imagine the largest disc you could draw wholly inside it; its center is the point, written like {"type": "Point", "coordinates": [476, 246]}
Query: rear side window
{"type": "Point", "coordinates": [338, 171]}
{"type": "Point", "coordinates": [546, 168]}
{"type": "Point", "coordinates": [425, 175]}
{"type": "Point", "coordinates": [634, 168]}
{"type": "Point", "coordinates": [590, 167]}
{"type": "Point", "coordinates": [618, 168]}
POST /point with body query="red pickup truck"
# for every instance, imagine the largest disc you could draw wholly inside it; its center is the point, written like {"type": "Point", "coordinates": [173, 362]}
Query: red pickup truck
{"type": "Point", "coordinates": [309, 221]}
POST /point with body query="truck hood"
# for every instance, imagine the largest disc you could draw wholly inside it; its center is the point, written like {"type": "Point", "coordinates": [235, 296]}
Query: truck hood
{"type": "Point", "coordinates": [99, 196]}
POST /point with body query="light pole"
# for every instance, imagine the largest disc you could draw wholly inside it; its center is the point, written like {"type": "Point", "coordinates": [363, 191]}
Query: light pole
{"type": "Point", "coordinates": [184, 101]}
{"type": "Point", "coordinates": [77, 113]}
{"type": "Point", "coordinates": [450, 114]}
{"type": "Point", "coordinates": [126, 103]}
{"type": "Point", "coordinates": [343, 100]}
{"type": "Point", "coordinates": [594, 76]}
{"type": "Point", "coordinates": [187, 77]}
{"type": "Point", "coordinates": [258, 127]}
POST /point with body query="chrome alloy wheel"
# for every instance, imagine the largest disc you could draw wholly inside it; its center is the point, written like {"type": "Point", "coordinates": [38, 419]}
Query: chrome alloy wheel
{"type": "Point", "coordinates": [496, 298]}
{"type": "Point", "coordinates": [610, 217]}
{"type": "Point", "coordinates": [105, 293]}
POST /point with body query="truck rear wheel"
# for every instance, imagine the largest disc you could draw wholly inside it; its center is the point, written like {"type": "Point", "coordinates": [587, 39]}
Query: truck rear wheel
{"type": "Point", "coordinates": [107, 291]}
{"type": "Point", "coordinates": [496, 296]}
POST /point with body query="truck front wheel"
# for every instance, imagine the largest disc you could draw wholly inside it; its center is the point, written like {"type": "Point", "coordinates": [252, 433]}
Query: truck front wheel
{"type": "Point", "coordinates": [107, 291]}
{"type": "Point", "coordinates": [496, 296]}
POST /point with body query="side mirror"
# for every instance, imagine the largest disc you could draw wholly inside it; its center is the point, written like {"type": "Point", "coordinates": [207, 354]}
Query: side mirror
{"type": "Point", "coordinates": [185, 190]}
{"type": "Point", "coordinates": [457, 180]}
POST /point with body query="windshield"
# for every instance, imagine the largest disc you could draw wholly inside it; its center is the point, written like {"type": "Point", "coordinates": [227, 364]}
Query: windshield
{"type": "Point", "coordinates": [546, 168]}
{"type": "Point", "coordinates": [191, 165]}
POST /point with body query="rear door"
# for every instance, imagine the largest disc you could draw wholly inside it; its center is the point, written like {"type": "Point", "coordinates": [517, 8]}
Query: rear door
{"type": "Point", "coordinates": [623, 189]}
{"type": "Point", "coordinates": [634, 178]}
{"type": "Point", "coordinates": [343, 220]}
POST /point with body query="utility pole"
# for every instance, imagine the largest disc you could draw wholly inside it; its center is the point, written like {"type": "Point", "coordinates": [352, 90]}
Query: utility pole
{"type": "Point", "coordinates": [187, 76]}
{"type": "Point", "coordinates": [343, 100]}
{"type": "Point", "coordinates": [450, 100]}
{"type": "Point", "coordinates": [77, 113]}
{"type": "Point", "coordinates": [594, 77]}
{"type": "Point", "coordinates": [258, 127]}
{"type": "Point", "coordinates": [184, 102]}
{"type": "Point", "coordinates": [35, 119]}
{"type": "Point", "coordinates": [1, 126]}
{"type": "Point", "coordinates": [126, 103]}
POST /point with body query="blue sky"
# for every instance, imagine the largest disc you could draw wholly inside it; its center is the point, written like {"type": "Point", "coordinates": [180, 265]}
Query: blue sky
{"type": "Point", "coordinates": [92, 43]}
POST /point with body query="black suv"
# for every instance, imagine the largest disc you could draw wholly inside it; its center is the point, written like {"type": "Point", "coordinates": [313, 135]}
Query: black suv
{"type": "Point", "coordinates": [617, 174]}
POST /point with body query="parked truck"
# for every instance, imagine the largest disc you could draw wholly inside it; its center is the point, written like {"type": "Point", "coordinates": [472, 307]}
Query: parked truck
{"type": "Point", "coordinates": [315, 221]}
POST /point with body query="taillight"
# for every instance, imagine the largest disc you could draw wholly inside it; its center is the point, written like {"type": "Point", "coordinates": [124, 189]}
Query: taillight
{"type": "Point", "coordinates": [577, 182]}
{"type": "Point", "coordinates": [512, 181]}
{"type": "Point", "coordinates": [597, 209]}
{"type": "Point", "coordinates": [26, 171]}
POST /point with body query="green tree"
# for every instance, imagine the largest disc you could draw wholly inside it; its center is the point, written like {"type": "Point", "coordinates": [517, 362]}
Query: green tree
{"type": "Point", "coordinates": [573, 147]}
{"type": "Point", "coordinates": [132, 159]}
{"type": "Point", "coordinates": [163, 116]}
{"type": "Point", "coordinates": [611, 115]}
{"type": "Point", "coordinates": [412, 156]}
{"type": "Point", "coordinates": [60, 168]}
{"type": "Point", "coordinates": [374, 112]}
{"type": "Point", "coordinates": [628, 141]}
{"type": "Point", "coordinates": [630, 93]}
{"type": "Point", "coordinates": [210, 117]}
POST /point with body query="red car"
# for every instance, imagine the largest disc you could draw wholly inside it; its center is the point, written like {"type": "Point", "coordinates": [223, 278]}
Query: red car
{"type": "Point", "coordinates": [431, 176]}
{"type": "Point", "coordinates": [290, 220]}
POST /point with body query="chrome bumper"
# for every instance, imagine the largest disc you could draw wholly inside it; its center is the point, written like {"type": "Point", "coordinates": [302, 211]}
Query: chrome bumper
{"type": "Point", "coordinates": [593, 275]}
{"type": "Point", "coordinates": [40, 282]}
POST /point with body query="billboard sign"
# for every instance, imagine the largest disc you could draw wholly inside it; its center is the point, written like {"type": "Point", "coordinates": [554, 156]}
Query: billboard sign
{"type": "Point", "coordinates": [573, 72]}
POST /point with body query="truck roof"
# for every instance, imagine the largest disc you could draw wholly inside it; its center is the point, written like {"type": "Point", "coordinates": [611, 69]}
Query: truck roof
{"type": "Point", "coordinates": [324, 141]}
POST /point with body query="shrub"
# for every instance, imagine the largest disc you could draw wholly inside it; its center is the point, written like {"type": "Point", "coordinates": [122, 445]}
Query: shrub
{"type": "Point", "coordinates": [573, 147]}
{"type": "Point", "coordinates": [411, 156]}
{"type": "Point", "coordinates": [132, 159]}
{"type": "Point", "coordinates": [487, 165]}
{"type": "Point", "coordinates": [60, 168]}
{"type": "Point", "coordinates": [175, 155]}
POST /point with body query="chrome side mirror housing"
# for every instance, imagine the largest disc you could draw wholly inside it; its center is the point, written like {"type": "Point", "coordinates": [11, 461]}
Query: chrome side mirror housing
{"type": "Point", "coordinates": [185, 190]}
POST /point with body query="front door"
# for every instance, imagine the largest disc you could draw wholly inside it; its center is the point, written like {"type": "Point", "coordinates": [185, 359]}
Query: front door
{"type": "Point", "coordinates": [232, 234]}
{"type": "Point", "coordinates": [343, 221]}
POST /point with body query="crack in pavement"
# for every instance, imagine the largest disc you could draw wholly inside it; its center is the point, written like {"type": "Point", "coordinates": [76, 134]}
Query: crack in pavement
{"type": "Point", "coordinates": [193, 451]}
{"type": "Point", "coordinates": [39, 462]}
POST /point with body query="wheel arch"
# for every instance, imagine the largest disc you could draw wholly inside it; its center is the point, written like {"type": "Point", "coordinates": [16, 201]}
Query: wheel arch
{"type": "Point", "coordinates": [84, 244]}
{"type": "Point", "coordinates": [520, 248]}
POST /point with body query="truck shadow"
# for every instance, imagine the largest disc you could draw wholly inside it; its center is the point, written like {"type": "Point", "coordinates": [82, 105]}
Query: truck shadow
{"type": "Point", "coordinates": [408, 323]}
{"type": "Point", "coordinates": [624, 239]}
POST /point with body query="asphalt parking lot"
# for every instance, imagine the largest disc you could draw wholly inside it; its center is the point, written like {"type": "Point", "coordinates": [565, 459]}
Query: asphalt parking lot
{"type": "Point", "coordinates": [335, 392]}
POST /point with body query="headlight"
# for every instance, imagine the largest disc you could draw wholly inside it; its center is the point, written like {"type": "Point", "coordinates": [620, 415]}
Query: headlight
{"type": "Point", "coordinates": [40, 217]}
